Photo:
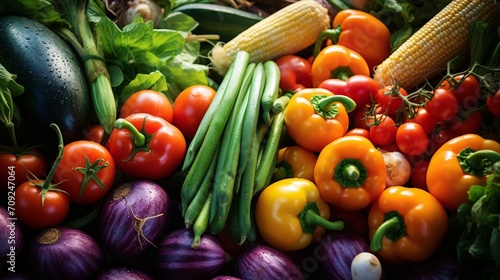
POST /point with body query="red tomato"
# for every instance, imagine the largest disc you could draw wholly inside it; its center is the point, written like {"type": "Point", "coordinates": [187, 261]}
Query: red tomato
{"type": "Point", "coordinates": [94, 133]}
{"type": "Point", "coordinates": [25, 164]}
{"type": "Point", "coordinates": [86, 172]}
{"type": "Point", "coordinates": [412, 139]}
{"type": "Point", "coordinates": [157, 157]}
{"type": "Point", "coordinates": [423, 118]}
{"type": "Point", "coordinates": [31, 212]}
{"type": "Point", "coordinates": [438, 137]}
{"type": "Point", "coordinates": [443, 105]}
{"type": "Point", "coordinates": [390, 99]}
{"type": "Point", "coordinates": [384, 133]}
{"type": "Point", "coordinates": [189, 108]}
{"type": "Point", "coordinates": [467, 90]}
{"type": "Point", "coordinates": [493, 104]}
{"type": "Point", "coordinates": [148, 101]}
{"type": "Point", "coordinates": [471, 124]}
{"type": "Point", "coordinates": [418, 174]}
{"type": "Point", "coordinates": [360, 132]}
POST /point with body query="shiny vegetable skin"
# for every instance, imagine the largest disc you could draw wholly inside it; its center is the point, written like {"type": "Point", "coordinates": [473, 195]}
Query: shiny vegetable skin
{"type": "Point", "coordinates": [225, 21]}
{"type": "Point", "coordinates": [406, 225]}
{"type": "Point", "coordinates": [314, 117]}
{"type": "Point", "coordinates": [295, 162]}
{"type": "Point", "coordinates": [448, 181]}
{"type": "Point", "coordinates": [147, 147]}
{"type": "Point", "coordinates": [291, 215]}
{"type": "Point", "coordinates": [56, 89]}
{"type": "Point", "coordinates": [350, 173]}
{"type": "Point", "coordinates": [338, 62]}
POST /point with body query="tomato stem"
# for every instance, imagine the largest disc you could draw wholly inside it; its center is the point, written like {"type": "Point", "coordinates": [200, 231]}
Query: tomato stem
{"type": "Point", "coordinates": [47, 183]}
{"type": "Point", "coordinates": [138, 138]}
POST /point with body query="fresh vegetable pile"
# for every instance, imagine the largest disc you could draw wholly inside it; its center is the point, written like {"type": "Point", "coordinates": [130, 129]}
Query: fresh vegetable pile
{"type": "Point", "coordinates": [249, 139]}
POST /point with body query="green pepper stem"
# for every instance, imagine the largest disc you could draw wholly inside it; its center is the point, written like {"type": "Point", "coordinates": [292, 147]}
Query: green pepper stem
{"type": "Point", "coordinates": [476, 159]}
{"type": "Point", "coordinates": [326, 103]}
{"type": "Point", "coordinates": [313, 218]}
{"type": "Point", "coordinates": [389, 225]}
{"type": "Point", "coordinates": [351, 172]}
{"type": "Point", "coordinates": [332, 34]}
{"type": "Point", "coordinates": [137, 136]}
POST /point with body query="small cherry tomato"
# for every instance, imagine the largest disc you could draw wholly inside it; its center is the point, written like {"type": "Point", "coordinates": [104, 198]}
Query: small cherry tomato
{"type": "Point", "coordinates": [359, 131]}
{"type": "Point", "coordinates": [33, 213]}
{"type": "Point", "coordinates": [412, 139]}
{"type": "Point", "coordinates": [470, 123]}
{"type": "Point", "coordinates": [384, 132]}
{"type": "Point", "coordinates": [390, 99]}
{"type": "Point", "coordinates": [493, 104]}
{"type": "Point", "coordinates": [443, 105]}
{"type": "Point", "coordinates": [190, 107]}
{"type": "Point", "coordinates": [423, 118]}
{"type": "Point", "coordinates": [94, 132]}
{"type": "Point", "coordinates": [466, 89]}
{"type": "Point", "coordinates": [418, 174]}
{"type": "Point", "coordinates": [86, 172]}
{"type": "Point", "coordinates": [24, 164]}
{"type": "Point", "coordinates": [148, 101]}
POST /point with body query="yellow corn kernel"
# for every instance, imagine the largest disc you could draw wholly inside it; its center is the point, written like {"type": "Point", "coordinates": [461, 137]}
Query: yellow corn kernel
{"type": "Point", "coordinates": [427, 52]}
{"type": "Point", "coordinates": [287, 31]}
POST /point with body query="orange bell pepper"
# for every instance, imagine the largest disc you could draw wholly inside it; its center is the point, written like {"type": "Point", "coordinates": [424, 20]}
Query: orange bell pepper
{"type": "Point", "coordinates": [314, 117]}
{"type": "Point", "coordinates": [458, 164]}
{"type": "Point", "coordinates": [290, 214]}
{"type": "Point", "coordinates": [406, 225]}
{"type": "Point", "coordinates": [295, 162]}
{"type": "Point", "coordinates": [361, 32]}
{"type": "Point", "coordinates": [337, 62]}
{"type": "Point", "coordinates": [350, 173]}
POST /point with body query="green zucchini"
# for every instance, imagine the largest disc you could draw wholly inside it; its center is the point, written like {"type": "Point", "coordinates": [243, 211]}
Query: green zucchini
{"type": "Point", "coordinates": [225, 21]}
{"type": "Point", "coordinates": [55, 85]}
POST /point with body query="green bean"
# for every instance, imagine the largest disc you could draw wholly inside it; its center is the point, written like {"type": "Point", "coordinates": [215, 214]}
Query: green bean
{"type": "Point", "coordinates": [271, 90]}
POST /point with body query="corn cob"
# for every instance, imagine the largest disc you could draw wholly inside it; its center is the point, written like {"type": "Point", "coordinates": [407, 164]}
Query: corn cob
{"type": "Point", "coordinates": [289, 30]}
{"type": "Point", "coordinates": [427, 51]}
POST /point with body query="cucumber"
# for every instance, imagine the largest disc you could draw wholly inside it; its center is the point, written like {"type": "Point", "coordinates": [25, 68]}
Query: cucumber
{"type": "Point", "coordinates": [225, 21]}
{"type": "Point", "coordinates": [55, 85]}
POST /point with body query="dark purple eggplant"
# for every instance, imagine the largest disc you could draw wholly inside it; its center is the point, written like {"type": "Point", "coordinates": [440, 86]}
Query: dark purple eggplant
{"type": "Point", "coordinates": [123, 273]}
{"type": "Point", "coordinates": [265, 263]}
{"type": "Point", "coordinates": [66, 253]}
{"type": "Point", "coordinates": [11, 236]}
{"type": "Point", "coordinates": [175, 258]}
{"type": "Point", "coordinates": [133, 218]}
{"type": "Point", "coordinates": [337, 250]}
{"type": "Point", "coordinates": [442, 268]}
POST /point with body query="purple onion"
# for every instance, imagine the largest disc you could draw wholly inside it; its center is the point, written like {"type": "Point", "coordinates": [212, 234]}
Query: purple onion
{"type": "Point", "coordinates": [133, 217]}
{"type": "Point", "coordinates": [66, 253]}
{"type": "Point", "coordinates": [175, 258]}
{"type": "Point", "coordinates": [337, 250]}
{"type": "Point", "coordinates": [123, 273]}
{"type": "Point", "coordinates": [438, 269]}
{"type": "Point", "coordinates": [11, 236]}
{"type": "Point", "coordinates": [264, 262]}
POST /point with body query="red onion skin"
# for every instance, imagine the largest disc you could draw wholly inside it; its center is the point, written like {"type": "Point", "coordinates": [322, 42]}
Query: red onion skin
{"type": "Point", "coordinates": [263, 262]}
{"type": "Point", "coordinates": [176, 259]}
{"type": "Point", "coordinates": [146, 199]}
{"type": "Point", "coordinates": [11, 234]}
{"type": "Point", "coordinates": [75, 255]}
{"type": "Point", "coordinates": [337, 250]}
{"type": "Point", "coordinates": [123, 273]}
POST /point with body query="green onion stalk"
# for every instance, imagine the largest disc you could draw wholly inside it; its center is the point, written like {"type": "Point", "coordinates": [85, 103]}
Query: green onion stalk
{"type": "Point", "coordinates": [83, 41]}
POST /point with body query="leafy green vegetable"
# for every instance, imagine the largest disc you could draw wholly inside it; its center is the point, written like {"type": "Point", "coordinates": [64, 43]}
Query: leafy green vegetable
{"type": "Point", "coordinates": [479, 220]}
{"type": "Point", "coordinates": [9, 88]}
{"type": "Point", "coordinates": [404, 17]}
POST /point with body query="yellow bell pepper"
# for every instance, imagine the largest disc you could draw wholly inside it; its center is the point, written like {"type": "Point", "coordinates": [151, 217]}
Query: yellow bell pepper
{"type": "Point", "coordinates": [290, 214]}
{"type": "Point", "coordinates": [295, 162]}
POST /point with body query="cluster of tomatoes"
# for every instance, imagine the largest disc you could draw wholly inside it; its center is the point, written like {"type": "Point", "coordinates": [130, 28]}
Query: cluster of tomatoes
{"type": "Point", "coordinates": [85, 170]}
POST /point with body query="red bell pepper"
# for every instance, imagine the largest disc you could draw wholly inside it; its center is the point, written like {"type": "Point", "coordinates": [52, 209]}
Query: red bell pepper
{"type": "Point", "coordinates": [295, 72]}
